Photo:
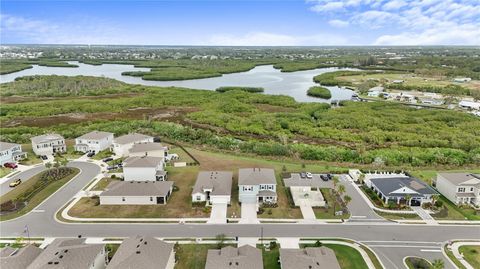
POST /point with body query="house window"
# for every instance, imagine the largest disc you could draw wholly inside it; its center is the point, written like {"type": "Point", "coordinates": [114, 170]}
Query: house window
{"type": "Point", "coordinates": [461, 189]}
{"type": "Point", "coordinates": [270, 187]}
{"type": "Point", "coordinates": [247, 188]}
{"type": "Point", "coordinates": [199, 198]}
{"type": "Point", "coordinates": [151, 199]}
{"type": "Point", "coordinates": [471, 189]}
{"type": "Point", "coordinates": [123, 199]}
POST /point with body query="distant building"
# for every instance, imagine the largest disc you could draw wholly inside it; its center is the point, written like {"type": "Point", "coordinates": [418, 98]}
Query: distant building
{"type": "Point", "coordinates": [11, 152]}
{"type": "Point", "coordinates": [122, 144]}
{"type": "Point", "coordinates": [257, 185]}
{"type": "Point", "coordinates": [95, 142]}
{"type": "Point", "coordinates": [149, 149]}
{"type": "Point", "coordinates": [213, 187]}
{"type": "Point", "coordinates": [460, 188]}
{"type": "Point", "coordinates": [144, 168]}
{"type": "Point", "coordinates": [310, 258]}
{"type": "Point", "coordinates": [136, 193]}
{"type": "Point", "coordinates": [469, 105]}
{"type": "Point", "coordinates": [244, 257]}
{"type": "Point", "coordinates": [432, 101]}
{"type": "Point", "coordinates": [48, 144]}
{"type": "Point", "coordinates": [142, 252]}
{"type": "Point", "coordinates": [462, 80]}
{"type": "Point", "coordinates": [375, 91]}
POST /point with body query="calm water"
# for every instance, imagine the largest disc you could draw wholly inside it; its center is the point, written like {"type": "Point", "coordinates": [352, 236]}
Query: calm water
{"type": "Point", "coordinates": [294, 84]}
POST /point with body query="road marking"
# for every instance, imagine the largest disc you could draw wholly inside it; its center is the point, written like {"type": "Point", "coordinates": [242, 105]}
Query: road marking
{"type": "Point", "coordinates": [358, 216]}
{"type": "Point", "coordinates": [431, 250]}
{"type": "Point", "coordinates": [38, 211]}
{"type": "Point", "coordinates": [401, 246]}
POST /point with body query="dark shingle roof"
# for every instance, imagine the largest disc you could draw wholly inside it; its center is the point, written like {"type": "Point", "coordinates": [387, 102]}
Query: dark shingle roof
{"type": "Point", "coordinates": [245, 257]}
{"type": "Point", "coordinates": [389, 185]}
{"type": "Point", "coordinates": [18, 258]}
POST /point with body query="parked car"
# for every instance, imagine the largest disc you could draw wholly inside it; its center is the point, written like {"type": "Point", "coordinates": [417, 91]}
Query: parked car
{"type": "Point", "coordinates": [329, 176]}
{"type": "Point", "coordinates": [90, 154]}
{"type": "Point", "coordinates": [15, 183]}
{"type": "Point", "coordinates": [303, 175]}
{"type": "Point", "coordinates": [309, 175]}
{"type": "Point", "coordinates": [156, 139]}
{"type": "Point", "coordinates": [108, 159]}
{"type": "Point", "coordinates": [44, 157]}
{"type": "Point", "coordinates": [10, 165]}
{"type": "Point", "coordinates": [324, 177]}
{"type": "Point", "coordinates": [111, 167]}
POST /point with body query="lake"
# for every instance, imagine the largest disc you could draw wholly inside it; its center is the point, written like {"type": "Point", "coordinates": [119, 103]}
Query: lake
{"type": "Point", "coordinates": [294, 84]}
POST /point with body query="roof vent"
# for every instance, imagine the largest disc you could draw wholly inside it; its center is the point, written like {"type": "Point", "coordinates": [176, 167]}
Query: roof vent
{"type": "Point", "coordinates": [61, 256]}
{"type": "Point", "coordinates": [65, 251]}
{"type": "Point", "coordinates": [49, 262]}
{"type": "Point", "coordinates": [236, 263]}
{"type": "Point", "coordinates": [55, 263]}
{"type": "Point", "coordinates": [138, 252]}
{"type": "Point", "coordinates": [145, 242]}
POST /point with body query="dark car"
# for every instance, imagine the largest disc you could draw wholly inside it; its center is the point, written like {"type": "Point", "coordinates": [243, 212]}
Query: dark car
{"type": "Point", "coordinates": [90, 154]}
{"type": "Point", "coordinates": [10, 165]}
{"type": "Point", "coordinates": [329, 176]}
{"type": "Point", "coordinates": [157, 139]}
{"type": "Point", "coordinates": [303, 175]}
{"type": "Point", "coordinates": [108, 159]}
{"type": "Point", "coordinates": [44, 157]}
{"type": "Point", "coordinates": [324, 177]}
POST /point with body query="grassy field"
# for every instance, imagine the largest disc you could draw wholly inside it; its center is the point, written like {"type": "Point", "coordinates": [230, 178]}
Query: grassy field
{"type": "Point", "coordinates": [103, 183]}
{"type": "Point", "coordinates": [452, 258]}
{"type": "Point", "coordinates": [471, 254]}
{"type": "Point", "coordinates": [328, 213]}
{"type": "Point", "coordinates": [456, 213]}
{"type": "Point", "coordinates": [37, 198]}
{"type": "Point", "coordinates": [102, 155]}
{"type": "Point", "coordinates": [31, 157]}
{"type": "Point", "coordinates": [192, 256]}
{"type": "Point", "coordinates": [5, 171]}
{"type": "Point", "coordinates": [270, 258]}
{"type": "Point", "coordinates": [394, 216]}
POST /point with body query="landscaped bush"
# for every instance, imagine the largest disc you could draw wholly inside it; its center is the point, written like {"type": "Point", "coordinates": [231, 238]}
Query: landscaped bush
{"type": "Point", "coordinates": [418, 263]}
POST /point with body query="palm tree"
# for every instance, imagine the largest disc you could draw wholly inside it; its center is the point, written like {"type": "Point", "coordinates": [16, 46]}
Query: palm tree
{"type": "Point", "coordinates": [408, 197]}
{"type": "Point", "coordinates": [335, 183]}
{"type": "Point", "coordinates": [341, 189]}
{"type": "Point", "coordinates": [438, 264]}
{"type": "Point", "coordinates": [347, 199]}
{"type": "Point", "coordinates": [435, 198]}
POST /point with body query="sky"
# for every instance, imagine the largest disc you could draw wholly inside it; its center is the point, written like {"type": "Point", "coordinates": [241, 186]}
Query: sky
{"type": "Point", "coordinates": [241, 23]}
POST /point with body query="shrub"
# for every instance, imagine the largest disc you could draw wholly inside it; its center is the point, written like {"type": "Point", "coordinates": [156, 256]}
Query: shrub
{"type": "Point", "coordinates": [438, 203]}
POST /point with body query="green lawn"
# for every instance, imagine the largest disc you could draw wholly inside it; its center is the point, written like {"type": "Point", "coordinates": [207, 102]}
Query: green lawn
{"type": "Point", "coordinates": [394, 216]}
{"type": "Point", "coordinates": [328, 213]}
{"type": "Point", "coordinates": [192, 256]}
{"type": "Point", "coordinates": [452, 258]}
{"type": "Point", "coordinates": [37, 198]}
{"type": "Point", "coordinates": [5, 171]}
{"type": "Point", "coordinates": [103, 183]}
{"type": "Point", "coordinates": [348, 257]}
{"type": "Point", "coordinates": [270, 258]}
{"type": "Point", "coordinates": [471, 254]}
{"type": "Point", "coordinates": [102, 155]}
{"type": "Point", "coordinates": [454, 212]}
{"type": "Point", "coordinates": [31, 157]}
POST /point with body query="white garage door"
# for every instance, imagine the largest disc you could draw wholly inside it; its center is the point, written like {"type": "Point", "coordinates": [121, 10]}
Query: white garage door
{"type": "Point", "coordinates": [220, 199]}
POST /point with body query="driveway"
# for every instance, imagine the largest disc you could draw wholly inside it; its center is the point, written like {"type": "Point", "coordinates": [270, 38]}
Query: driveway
{"type": "Point", "coordinates": [307, 211]}
{"type": "Point", "coordinates": [358, 207]}
{"type": "Point", "coordinates": [249, 213]}
{"type": "Point", "coordinates": [219, 213]}
{"type": "Point", "coordinates": [24, 176]}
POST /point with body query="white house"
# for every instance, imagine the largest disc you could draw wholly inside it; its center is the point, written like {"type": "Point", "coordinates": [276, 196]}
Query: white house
{"type": "Point", "coordinates": [213, 187]}
{"type": "Point", "coordinates": [375, 91]}
{"type": "Point", "coordinates": [122, 144]}
{"type": "Point", "coordinates": [469, 105]}
{"type": "Point", "coordinates": [144, 168]}
{"type": "Point", "coordinates": [143, 252]}
{"type": "Point", "coordinates": [148, 149]}
{"type": "Point", "coordinates": [11, 152]}
{"type": "Point", "coordinates": [398, 189]}
{"type": "Point", "coordinates": [460, 188]}
{"type": "Point", "coordinates": [136, 193]}
{"type": "Point", "coordinates": [257, 185]}
{"type": "Point", "coordinates": [94, 141]}
{"type": "Point", "coordinates": [71, 253]}
{"type": "Point", "coordinates": [48, 144]}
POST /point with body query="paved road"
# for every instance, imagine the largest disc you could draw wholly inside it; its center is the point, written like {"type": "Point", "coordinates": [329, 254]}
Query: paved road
{"type": "Point", "coordinates": [24, 176]}
{"type": "Point", "coordinates": [359, 209]}
{"type": "Point", "coordinates": [41, 223]}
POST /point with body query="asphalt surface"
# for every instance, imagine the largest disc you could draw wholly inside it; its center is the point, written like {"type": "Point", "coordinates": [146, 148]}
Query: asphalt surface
{"type": "Point", "coordinates": [24, 176]}
{"type": "Point", "coordinates": [41, 223]}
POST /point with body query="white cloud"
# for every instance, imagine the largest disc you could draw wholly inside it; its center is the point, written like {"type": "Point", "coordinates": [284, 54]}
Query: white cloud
{"type": "Point", "coordinates": [327, 6]}
{"type": "Point", "coordinates": [394, 5]}
{"type": "Point", "coordinates": [272, 39]}
{"type": "Point", "coordinates": [338, 23]}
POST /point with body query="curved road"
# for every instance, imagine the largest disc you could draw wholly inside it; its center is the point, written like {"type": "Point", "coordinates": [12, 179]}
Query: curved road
{"type": "Point", "coordinates": [24, 176]}
{"type": "Point", "coordinates": [383, 237]}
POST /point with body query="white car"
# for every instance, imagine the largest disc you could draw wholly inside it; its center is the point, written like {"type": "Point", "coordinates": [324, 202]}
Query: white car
{"type": "Point", "coordinates": [309, 175]}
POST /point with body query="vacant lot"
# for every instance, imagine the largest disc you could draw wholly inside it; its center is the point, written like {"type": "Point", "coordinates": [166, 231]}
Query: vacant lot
{"type": "Point", "coordinates": [192, 256]}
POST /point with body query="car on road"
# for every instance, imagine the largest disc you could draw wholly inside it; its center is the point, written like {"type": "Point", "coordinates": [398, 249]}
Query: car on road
{"type": "Point", "coordinates": [309, 175]}
{"type": "Point", "coordinates": [15, 183]}
{"type": "Point", "coordinates": [44, 157]}
{"type": "Point", "coordinates": [108, 159]}
{"type": "Point", "coordinates": [90, 154]}
{"type": "Point", "coordinates": [329, 176]}
{"type": "Point", "coordinates": [303, 175]}
{"type": "Point", "coordinates": [324, 177]}
{"type": "Point", "coordinates": [10, 165]}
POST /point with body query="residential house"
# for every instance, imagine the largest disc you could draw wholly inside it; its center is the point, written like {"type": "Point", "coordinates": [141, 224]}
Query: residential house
{"type": "Point", "coordinates": [122, 144]}
{"type": "Point", "coordinates": [469, 105]}
{"type": "Point", "coordinates": [71, 253]}
{"type": "Point", "coordinates": [21, 258]}
{"type": "Point", "coordinates": [148, 149]}
{"type": "Point", "coordinates": [144, 168]}
{"type": "Point", "coordinates": [95, 142]}
{"type": "Point", "coordinates": [308, 258]}
{"type": "Point", "coordinates": [48, 144]}
{"type": "Point", "coordinates": [257, 185]}
{"type": "Point", "coordinates": [244, 257]}
{"type": "Point", "coordinates": [376, 91]}
{"type": "Point", "coordinates": [213, 187]}
{"type": "Point", "coordinates": [432, 101]}
{"type": "Point", "coordinates": [460, 188]}
{"type": "Point", "coordinates": [11, 152]}
{"type": "Point", "coordinates": [398, 189]}
{"type": "Point", "coordinates": [136, 193]}
{"type": "Point", "coordinates": [142, 252]}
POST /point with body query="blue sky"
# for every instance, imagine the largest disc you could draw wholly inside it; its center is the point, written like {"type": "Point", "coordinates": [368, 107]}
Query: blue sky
{"type": "Point", "coordinates": [277, 23]}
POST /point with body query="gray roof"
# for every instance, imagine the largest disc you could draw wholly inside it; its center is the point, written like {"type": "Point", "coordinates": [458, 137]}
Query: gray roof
{"type": "Point", "coordinates": [131, 138]}
{"type": "Point", "coordinates": [67, 253]}
{"type": "Point", "coordinates": [308, 258]}
{"type": "Point", "coordinates": [266, 193]}
{"type": "Point", "coordinates": [95, 135]}
{"type": "Point", "coordinates": [138, 188]}
{"type": "Point", "coordinates": [145, 147]}
{"type": "Point", "coordinates": [389, 185]}
{"type": "Point", "coordinates": [219, 181]}
{"type": "Point", "coordinates": [143, 161]}
{"type": "Point", "coordinates": [46, 138]}
{"type": "Point", "coordinates": [18, 259]}
{"type": "Point", "coordinates": [255, 176]}
{"type": "Point", "coordinates": [461, 178]}
{"type": "Point", "coordinates": [245, 257]}
{"type": "Point", "coordinates": [141, 253]}
{"type": "Point", "coordinates": [6, 145]}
